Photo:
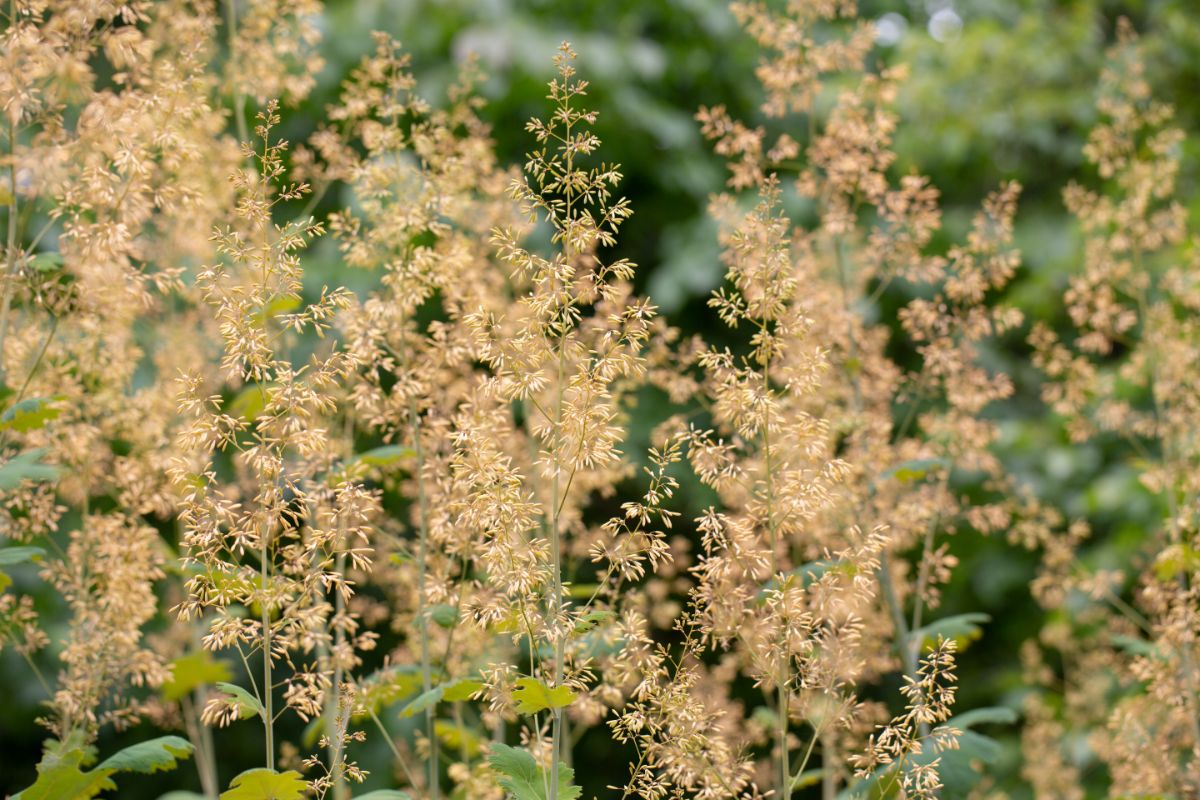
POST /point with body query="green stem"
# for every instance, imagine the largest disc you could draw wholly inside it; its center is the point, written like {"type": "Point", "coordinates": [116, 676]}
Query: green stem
{"type": "Point", "coordinates": [387, 737]}
{"type": "Point", "coordinates": [239, 99]}
{"type": "Point", "coordinates": [333, 730]}
{"type": "Point", "coordinates": [10, 273]}
{"type": "Point", "coordinates": [205, 766]}
{"type": "Point", "coordinates": [268, 700]}
{"type": "Point", "coordinates": [422, 599]}
{"type": "Point", "coordinates": [556, 503]}
{"type": "Point", "coordinates": [781, 675]}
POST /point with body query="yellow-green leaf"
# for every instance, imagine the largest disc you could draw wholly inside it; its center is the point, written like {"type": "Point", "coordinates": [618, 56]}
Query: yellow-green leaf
{"type": "Point", "coordinates": [532, 696]}
{"type": "Point", "coordinates": [266, 784]}
{"type": "Point", "coordinates": [192, 671]}
{"type": "Point", "coordinates": [460, 690]}
{"type": "Point", "coordinates": [247, 704]}
{"type": "Point", "coordinates": [32, 414]}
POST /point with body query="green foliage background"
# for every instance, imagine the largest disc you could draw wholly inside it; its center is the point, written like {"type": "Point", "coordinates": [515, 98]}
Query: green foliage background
{"type": "Point", "coordinates": [1009, 96]}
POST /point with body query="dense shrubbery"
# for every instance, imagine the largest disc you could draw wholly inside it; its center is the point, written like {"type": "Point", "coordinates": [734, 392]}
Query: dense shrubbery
{"type": "Point", "coordinates": [476, 520]}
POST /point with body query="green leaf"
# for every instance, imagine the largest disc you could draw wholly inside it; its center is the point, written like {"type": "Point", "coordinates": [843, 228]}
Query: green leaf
{"type": "Point", "coordinates": [32, 414]}
{"type": "Point", "coordinates": [66, 781]}
{"type": "Point", "coordinates": [457, 737]}
{"type": "Point", "coordinates": [461, 689]}
{"type": "Point", "coordinates": [445, 616]}
{"type": "Point", "coordinates": [313, 731]}
{"type": "Point", "coordinates": [280, 304]}
{"type": "Point", "coordinates": [386, 687]}
{"type": "Point", "coordinates": [156, 755]}
{"type": "Point", "coordinates": [452, 692]}
{"type": "Point", "coordinates": [533, 696]}
{"type": "Point", "coordinates": [957, 767]}
{"type": "Point", "coordinates": [524, 779]}
{"type": "Point", "coordinates": [247, 704]}
{"type": "Point", "coordinates": [914, 470]}
{"type": "Point", "coordinates": [385, 456]}
{"type": "Point", "coordinates": [582, 591]}
{"type": "Point", "coordinates": [989, 715]}
{"type": "Point", "coordinates": [26, 467]}
{"type": "Point", "coordinates": [1134, 645]}
{"type": "Point", "coordinates": [191, 671]}
{"type": "Point", "coordinates": [807, 574]}
{"type": "Point", "coordinates": [266, 784]}
{"type": "Point", "coordinates": [592, 619]}
{"type": "Point", "coordinates": [20, 555]}
{"type": "Point", "coordinates": [250, 401]}
{"type": "Point", "coordinates": [17, 555]}
{"type": "Point", "coordinates": [962, 627]}
{"type": "Point", "coordinates": [385, 794]}
{"type": "Point", "coordinates": [47, 261]}
{"type": "Point", "coordinates": [810, 777]}
{"type": "Point", "coordinates": [1174, 560]}
{"type": "Point", "coordinates": [182, 796]}
{"type": "Point", "coordinates": [61, 775]}
{"type": "Point", "coordinates": [766, 717]}
{"type": "Point", "coordinates": [423, 701]}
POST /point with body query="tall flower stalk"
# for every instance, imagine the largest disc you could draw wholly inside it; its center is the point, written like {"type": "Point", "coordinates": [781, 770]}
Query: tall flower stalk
{"type": "Point", "coordinates": [270, 541]}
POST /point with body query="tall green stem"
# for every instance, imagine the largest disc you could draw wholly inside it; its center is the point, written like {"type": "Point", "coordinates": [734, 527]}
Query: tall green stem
{"type": "Point", "coordinates": [333, 730]}
{"type": "Point", "coordinates": [422, 598]}
{"type": "Point", "coordinates": [268, 701]}
{"type": "Point", "coordinates": [782, 659]}
{"type": "Point", "coordinates": [556, 502]}
{"type": "Point", "coordinates": [239, 99]}
{"type": "Point", "coordinates": [10, 271]}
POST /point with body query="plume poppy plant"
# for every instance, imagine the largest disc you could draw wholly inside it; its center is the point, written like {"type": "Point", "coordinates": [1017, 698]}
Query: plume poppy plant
{"type": "Point", "coordinates": [362, 466]}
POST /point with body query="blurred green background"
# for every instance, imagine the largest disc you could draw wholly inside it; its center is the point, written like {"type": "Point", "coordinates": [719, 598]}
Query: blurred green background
{"type": "Point", "coordinates": [999, 89]}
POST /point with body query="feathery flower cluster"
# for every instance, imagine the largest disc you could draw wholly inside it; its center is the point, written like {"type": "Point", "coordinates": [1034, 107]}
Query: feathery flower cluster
{"type": "Point", "coordinates": [413, 514]}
